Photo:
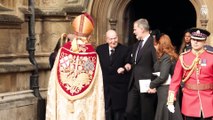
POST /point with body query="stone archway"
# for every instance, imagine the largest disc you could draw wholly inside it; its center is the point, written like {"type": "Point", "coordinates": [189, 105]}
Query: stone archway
{"type": "Point", "coordinates": [108, 14]}
{"type": "Point", "coordinates": [111, 14]}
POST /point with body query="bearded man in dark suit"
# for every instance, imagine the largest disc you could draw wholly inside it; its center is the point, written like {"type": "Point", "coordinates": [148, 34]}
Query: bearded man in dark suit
{"type": "Point", "coordinates": [114, 60]}
{"type": "Point", "coordinates": [141, 105]}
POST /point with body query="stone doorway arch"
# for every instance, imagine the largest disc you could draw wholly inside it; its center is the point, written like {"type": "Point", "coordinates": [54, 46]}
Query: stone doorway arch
{"type": "Point", "coordinates": [112, 14]}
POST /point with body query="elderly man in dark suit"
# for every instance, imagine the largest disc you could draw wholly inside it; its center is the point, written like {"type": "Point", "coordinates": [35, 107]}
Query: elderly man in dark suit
{"type": "Point", "coordinates": [141, 104]}
{"type": "Point", "coordinates": [114, 60]}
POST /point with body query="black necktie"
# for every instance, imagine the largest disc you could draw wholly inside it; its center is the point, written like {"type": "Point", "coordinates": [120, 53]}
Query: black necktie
{"type": "Point", "coordinates": [140, 45]}
{"type": "Point", "coordinates": [111, 54]}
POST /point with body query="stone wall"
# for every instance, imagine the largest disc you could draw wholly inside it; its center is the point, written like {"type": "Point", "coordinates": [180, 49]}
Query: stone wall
{"type": "Point", "coordinates": [52, 18]}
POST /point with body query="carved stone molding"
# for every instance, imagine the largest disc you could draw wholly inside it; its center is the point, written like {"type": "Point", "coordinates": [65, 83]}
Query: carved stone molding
{"type": "Point", "coordinates": [76, 6]}
{"type": "Point", "coordinates": [3, 8]}
{"type": "Point", "coordinates": [204, 16]}
{"type": "Point", "coordinates": [10, 21]}
{"type": "Point", "coordinates": [49, 2]}
{"type": "Point", "coordinates": [203, 23]}
{"type": "Point", "coordinates": [71, 1]}
{"type": "Point", "coordinates": [63, 10]}
{"type": "Point", "coordinates": [75, 9]}
{"type": "Point", "coordinates": [7, 4]}
{"type": "Point", "coordinates": [113, 23]}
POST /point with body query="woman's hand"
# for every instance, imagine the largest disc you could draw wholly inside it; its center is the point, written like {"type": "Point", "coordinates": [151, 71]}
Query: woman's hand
{"type": "Point", "coordinates": [152, 90]}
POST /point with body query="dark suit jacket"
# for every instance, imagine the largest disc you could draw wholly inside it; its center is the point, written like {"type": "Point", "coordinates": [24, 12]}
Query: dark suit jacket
{"type": "Point", "coordinates": [143, 67]}
{"type": "Point", "coordinates": [165, 66]}
{"type": "Point", "coordinates": [115, 85]}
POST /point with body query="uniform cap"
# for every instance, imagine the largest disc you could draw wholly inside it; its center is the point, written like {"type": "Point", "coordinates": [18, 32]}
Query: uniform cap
{"type": "Point", "coordinates": [199, 34]}
{"type": "Point", "coordinates": [83, 25]}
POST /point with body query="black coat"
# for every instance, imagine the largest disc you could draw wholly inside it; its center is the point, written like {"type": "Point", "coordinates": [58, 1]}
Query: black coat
{"type": "Point", "coordinates": [115, 85]}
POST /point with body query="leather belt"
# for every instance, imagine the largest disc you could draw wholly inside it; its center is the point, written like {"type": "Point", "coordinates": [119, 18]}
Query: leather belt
{"type": "Point", "coordinates": [199, 86]}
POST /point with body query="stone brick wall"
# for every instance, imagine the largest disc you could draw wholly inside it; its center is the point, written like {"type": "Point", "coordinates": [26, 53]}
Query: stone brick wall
{"type": "Point", "coordinates": [52, 18]}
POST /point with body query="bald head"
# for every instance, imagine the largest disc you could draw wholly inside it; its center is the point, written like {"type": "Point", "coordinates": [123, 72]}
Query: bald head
{"type": "Point", "coordinates": [112, 38]}
{"type": "Point", "coordinates": [110, 32]}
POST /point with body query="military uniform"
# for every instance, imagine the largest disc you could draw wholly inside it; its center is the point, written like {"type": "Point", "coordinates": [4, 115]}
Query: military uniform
{"type": "Point", "coordinates": [195, 69]}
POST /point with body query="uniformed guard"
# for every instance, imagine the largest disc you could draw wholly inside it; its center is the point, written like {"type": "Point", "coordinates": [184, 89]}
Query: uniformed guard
{"type": "Point", "coordinates": [75, 90]}
{"type": "Point", "coordinates": [195, 69]}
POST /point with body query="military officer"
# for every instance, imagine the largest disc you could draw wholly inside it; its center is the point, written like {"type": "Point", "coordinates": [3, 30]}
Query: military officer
{"type": "Point", "coordinates": [195, 69]}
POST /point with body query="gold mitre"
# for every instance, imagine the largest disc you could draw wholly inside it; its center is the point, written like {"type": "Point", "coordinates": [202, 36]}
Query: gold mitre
{"type": "Point", "coordinates": [83, 25]}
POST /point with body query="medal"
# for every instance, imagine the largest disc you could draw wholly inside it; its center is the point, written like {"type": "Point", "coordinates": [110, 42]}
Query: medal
{"type": "Point", "coordinates": [203, 62]}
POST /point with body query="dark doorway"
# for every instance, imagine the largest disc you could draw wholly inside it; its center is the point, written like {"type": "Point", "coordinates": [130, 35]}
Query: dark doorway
{"type": "Point", "coordinates": [172, 17]}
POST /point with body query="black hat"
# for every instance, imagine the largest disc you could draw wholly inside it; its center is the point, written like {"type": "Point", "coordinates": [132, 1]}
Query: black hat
{"type": "Point", "coordinates": [199, 34]}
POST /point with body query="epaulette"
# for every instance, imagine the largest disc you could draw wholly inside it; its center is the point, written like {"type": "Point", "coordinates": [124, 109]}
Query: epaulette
{"type": "Point", "coordinates": [183, 53]}
{"type": "Point", "coordinates": [209, 51]}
